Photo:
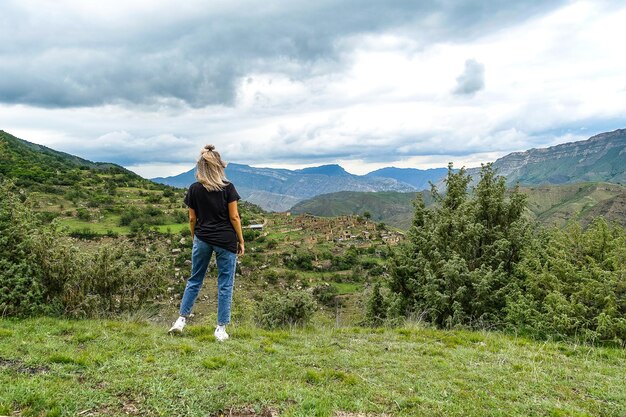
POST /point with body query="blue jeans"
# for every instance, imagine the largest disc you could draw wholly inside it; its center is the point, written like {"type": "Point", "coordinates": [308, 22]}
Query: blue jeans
{"type": "Point", "coordinates": [226, 264]}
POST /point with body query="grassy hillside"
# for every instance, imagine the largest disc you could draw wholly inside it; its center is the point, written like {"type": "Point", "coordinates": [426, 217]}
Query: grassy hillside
{"type": "Point", "coordinates": [556, 205]}
{"type": "Point", "coordinates": [54, 367]}
{"type": "Point", "coordinates": [41, 168]}
{"type": "Point", "coordinates": [92, 198]}
{"type": "Point", "coordinates": [549, 204]}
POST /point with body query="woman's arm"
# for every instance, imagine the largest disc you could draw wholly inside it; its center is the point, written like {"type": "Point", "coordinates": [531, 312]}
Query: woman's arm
{"type": "Point", "coordinates": [192, 222]}
{"type": "Point", "coordinates": [233, 213]}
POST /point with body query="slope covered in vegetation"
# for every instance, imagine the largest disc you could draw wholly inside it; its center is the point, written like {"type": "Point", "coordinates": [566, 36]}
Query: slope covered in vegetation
{"type": "Point", "coordinates": [92, 198]}
{"type": "Point", "coordinates": [475, 260]}
{"type": "Point", "coordinates": [548, 204]}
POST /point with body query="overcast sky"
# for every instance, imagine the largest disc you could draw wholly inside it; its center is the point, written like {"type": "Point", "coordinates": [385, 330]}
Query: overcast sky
{"type": "Point", "coordinates": [365, 84]}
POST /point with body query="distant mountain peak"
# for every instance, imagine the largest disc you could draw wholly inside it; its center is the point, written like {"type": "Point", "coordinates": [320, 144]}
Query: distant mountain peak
{"type": "Point", "coordinates": [330, 170]}
{"type": "Point", "coordinates": [418, 178]}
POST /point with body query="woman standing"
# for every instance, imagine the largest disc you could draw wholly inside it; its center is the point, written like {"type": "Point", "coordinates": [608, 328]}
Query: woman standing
{"type": "Point", "coordinates": [215, 227]}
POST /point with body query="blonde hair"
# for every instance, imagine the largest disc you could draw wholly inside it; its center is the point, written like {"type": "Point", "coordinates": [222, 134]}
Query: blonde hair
{"type": "Point", "coordinates": [210, 169]}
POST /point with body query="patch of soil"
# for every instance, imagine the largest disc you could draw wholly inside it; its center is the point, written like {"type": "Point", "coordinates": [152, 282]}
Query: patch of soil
{"type": "Point", "coordinates": [247, 412]}
{"type": "Point", "coordinates": [349, 414]}
{"type": "Point", "coordinates": [19, 366]}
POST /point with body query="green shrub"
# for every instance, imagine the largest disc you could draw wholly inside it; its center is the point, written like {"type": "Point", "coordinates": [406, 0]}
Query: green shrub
{"type": "Point", "coordinates": [473, 261]}
{"type": "Point", "coordinates": [180, 216]}
{"type": "Point", "coordinates": [21, 289]}
{"type": "Point", "coordinates": [348, 260]}
{"type": "Point", "coordinates": [325, 293]}
{"type": "Point", "coordinates": [85, 233]}
{"type": "Point", "coordinates": [292, 308]}
{"type": "Point", "coordinates": [250, 235]}
{"type": "Point", "coordinates": [128, 216]}
{"type": "Point", "coordinates": [299, 260]}
{"type": "Point", "coordinates": [270, 276]}
{"type": "Point", "coordinates": [573, 285]}
{"type": "Point", "coordinates": [154, 199]}
{"type": "Point", "coordinates": [47, 216]}
{"type": "Point", "coordinates": [44, 272]}
{"type": "Point", "coordinates": [83, 214]}
{"type": "Point", "coordinates": [375, 309]}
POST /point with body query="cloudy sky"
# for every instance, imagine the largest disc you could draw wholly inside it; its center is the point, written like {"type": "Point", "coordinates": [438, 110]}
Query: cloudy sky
{"type": "Point", "coordinates": [365, 84]}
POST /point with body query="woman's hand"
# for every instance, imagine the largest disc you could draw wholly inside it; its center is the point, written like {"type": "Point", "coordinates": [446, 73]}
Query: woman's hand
{"type": "Point", "coordinates": [241, 248]}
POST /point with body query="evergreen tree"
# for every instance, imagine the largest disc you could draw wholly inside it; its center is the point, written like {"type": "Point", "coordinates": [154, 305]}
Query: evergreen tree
{"type": "Point", "coordinates": [376, 313]}
{"type": "Point", "coordinates": [458, 264]}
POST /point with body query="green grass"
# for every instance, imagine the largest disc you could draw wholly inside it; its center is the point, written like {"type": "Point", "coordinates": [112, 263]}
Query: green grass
{"type": "Point", "coordinates": [348, 287]}
{"type": "Point", "coordinates": [172, 227]}
{"type": "Point", "coordinates": [101, 227]}
{"type": "Point", "coordinates": [111, 224]}
{"type": "Point", "coordinates": [92, 367]}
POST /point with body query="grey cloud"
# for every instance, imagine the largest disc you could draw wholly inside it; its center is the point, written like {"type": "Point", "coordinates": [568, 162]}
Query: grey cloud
{"type": "Point", "coordinates": [472, 79]}
{"type": "Point", "coordinates": [124, 148]}
{"type": "Point", "coordinates": [194, 56]}
{"type": "Point", "coordinates": [325, 145]}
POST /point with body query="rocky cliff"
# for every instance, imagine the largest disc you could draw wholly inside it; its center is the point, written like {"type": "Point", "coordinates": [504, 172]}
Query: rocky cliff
{"type": "Point", "coordinates": [599, 158]}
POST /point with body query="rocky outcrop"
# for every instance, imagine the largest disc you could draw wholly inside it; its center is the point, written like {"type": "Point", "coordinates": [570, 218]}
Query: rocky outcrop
{"type": "Point", "coordinates": [599, 158]}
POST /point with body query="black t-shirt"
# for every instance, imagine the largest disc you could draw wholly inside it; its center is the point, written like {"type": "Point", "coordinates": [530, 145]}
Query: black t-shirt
{"type": "Point", "coordinates": [213, 224]}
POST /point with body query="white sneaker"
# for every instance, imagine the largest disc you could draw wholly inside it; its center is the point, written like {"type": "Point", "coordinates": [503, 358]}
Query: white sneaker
{"type": "Point", "coordinates": [220, 333]}
{"type": "Point", "coordinates": [178, 325]}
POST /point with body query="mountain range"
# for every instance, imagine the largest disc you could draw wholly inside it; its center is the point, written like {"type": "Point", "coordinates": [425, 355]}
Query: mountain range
{"type": "Point", "coordinates": [579, 179]}
{"type": "Point", "coordinates": [572, 181]}
{"type": "Point", "coordinates": [279, 189]}
{"type": "Point", "coordinates": [601, 158]}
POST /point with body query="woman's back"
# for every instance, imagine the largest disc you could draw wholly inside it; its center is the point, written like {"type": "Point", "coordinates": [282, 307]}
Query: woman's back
{"type": "Point", "coordinates": [213, 224]}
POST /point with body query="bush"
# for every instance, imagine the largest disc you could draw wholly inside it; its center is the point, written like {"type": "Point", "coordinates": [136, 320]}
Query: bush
{"type": "Point", "coordinates": [270, 276]}
{"type": "Point", "coordinates": [475, 262]}
{"type": "Point", "coordinates": [250, 235]}
{"type": "Point", "coordinates": [43, 272]}
{"type": "Point", "coordinates": [47, 216]}
{"type": "Point", "coordinates": [85, 233]}
{"type": "Point", "coordinates": [83, 214]}
{"type": "Point", "coordinates": [573, 285]}
{"type": "Point", "coordinates": [140, 220]}
{"type": "Point", "coordinates": [299, 260]}
{"type": "Point", "coordinates": [292, 308]}
{"type": "Point", "coordinates": [116, 278]}
{"type": "Point", "coordinates": [21, 289]}
{"type": "Point", "coordinates": [375, 309]}
{"type": "Point", "coordinates": [325, 293]}
{"type": "Point", "coordinates": [180, 216]}
{"type": "Point", "coordinates": [154, 199]}
{"type": "Point", "coordinates": [368, 264]}
{"type": "Point", "coordinates": [128, 216]}
{"type": "Point", "coordinates": [345, 262]}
